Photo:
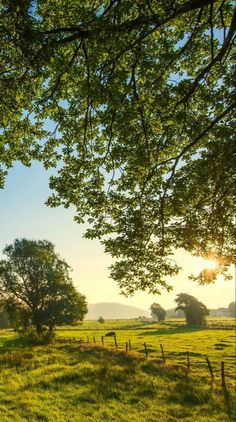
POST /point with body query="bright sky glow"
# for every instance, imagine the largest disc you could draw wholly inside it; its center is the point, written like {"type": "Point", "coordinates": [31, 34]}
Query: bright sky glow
{"type": "Point", "coordinates": [23, 214]}
{"type": "Point", "coordinates": [208, 264]}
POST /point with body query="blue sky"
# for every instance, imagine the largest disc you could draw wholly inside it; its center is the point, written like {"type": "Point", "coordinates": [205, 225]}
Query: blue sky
{"type": "Point", "coordinates": [24, 214]}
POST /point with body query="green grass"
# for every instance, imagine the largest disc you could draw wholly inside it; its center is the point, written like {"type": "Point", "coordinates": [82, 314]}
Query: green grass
{"type": "Point", "coordinates": [177, 339]}
{"type": "Point", "coordinates": [72, 381]}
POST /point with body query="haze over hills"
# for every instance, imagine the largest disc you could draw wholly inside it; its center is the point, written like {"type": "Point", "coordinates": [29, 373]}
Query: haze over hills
{"type": "Point", "coordinates": [114, 311]}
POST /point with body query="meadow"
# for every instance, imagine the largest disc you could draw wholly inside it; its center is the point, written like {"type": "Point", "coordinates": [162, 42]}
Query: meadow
{"type": "Point", "coordinates": [79, 378]}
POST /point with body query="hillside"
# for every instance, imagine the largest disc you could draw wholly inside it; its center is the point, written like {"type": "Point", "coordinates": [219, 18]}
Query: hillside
{"type": "Point", "coordinates": [114, 311]}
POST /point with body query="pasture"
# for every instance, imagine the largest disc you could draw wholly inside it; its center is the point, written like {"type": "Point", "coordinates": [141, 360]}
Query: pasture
{"type": "Point", "coordinates": [79, 378]}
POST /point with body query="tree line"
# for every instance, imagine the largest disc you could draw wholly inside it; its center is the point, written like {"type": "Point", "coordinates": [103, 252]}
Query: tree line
{"type": "Point", "coordinates": [195, 312]}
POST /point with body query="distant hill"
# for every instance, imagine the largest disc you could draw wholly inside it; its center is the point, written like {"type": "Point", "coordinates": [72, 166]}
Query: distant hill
{"type": "Point", "coordinates": [114, 311]}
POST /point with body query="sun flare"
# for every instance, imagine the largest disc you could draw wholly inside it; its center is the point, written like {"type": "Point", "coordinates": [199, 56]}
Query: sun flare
{"type": "Point", "coordinates": [210, 264]}
{"type": "Point", "coordinates": [207, 264]}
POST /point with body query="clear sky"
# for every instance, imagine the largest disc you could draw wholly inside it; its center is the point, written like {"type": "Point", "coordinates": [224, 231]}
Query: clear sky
{"type": "Point", "coordinates": [24, 214]}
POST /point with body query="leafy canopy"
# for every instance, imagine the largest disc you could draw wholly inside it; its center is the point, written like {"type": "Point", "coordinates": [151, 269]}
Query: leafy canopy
{"type": "Point", "coordinates": [36, 287]}
{"type": "Point", "coordinates": [194, 310]}
{"type": "Point", "coordinates": [132, 102]}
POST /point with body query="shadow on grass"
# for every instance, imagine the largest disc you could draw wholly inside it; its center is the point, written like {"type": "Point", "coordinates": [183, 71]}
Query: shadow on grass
{"type": "Point", "coordinates": [191, 354]}
{"type": "Point", "coordinates": [20, 342]}
{"type": "Point", "coordinates": [175, 330]}
{"type": "Point", "coordinates": [14, 342]}
{"type": "Point", "coordinates": [139, 326]}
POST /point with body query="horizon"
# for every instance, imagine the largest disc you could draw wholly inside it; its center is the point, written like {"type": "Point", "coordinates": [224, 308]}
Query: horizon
{"type": "Point", "coordinates": [167, 309]}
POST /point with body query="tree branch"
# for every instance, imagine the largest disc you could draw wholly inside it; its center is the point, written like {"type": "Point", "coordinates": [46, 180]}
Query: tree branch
{"type": "Point", "coordinates": [216, 59]}
{"type": "Point", "coordinates": [207, 129]}
{"type": "Point", "coordinates": [153, 19]}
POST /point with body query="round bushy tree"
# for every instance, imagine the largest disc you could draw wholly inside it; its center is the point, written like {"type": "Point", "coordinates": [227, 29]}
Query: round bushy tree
{"type": "Point", "coordinates": [101, 320]}
{"type": "Point", "coordinates": [195, 311]}
{"type": "Point", "coordinates": [158, 312]}
{"type": "Point", "coordinates": [36, 287]}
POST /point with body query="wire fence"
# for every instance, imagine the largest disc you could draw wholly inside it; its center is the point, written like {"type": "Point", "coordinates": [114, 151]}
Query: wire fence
{"type": "Point", "coordinates": [148, 352]}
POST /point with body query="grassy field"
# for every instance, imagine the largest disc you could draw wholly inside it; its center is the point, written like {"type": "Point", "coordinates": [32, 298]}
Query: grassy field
{"type": "Point", "coordinates": [75, 379]}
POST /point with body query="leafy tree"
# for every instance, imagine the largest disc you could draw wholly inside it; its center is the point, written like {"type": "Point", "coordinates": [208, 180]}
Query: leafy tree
{"type": "Point", "coordinates": [232, 309]}
{"type": "Point", "coordinates": [158, 312]}
{"type": "Point", "coordinates": [101, 320]}
{"type": "Point", "coordinates": [139, 96]}
{"type": "Point", "coordinates": [195, 311]}
{"type": "Point", "coordinates": [35, 283]}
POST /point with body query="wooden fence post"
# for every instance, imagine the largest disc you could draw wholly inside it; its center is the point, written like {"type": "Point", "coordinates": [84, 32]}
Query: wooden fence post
{"type": "Point", "coordinates": [126, 346]}
{"type": "Point", "coordinates": [102, 340]}
{"type": "Point", "coordinates": [129, 345]}
{"type": "Point", "coordinates": [162, 353]}
{"type": "Point", "coordinates": [188, 361]}
{"type": "Point", "coordinates": [223, 375]}
{"type": "Point", "coordinates": [115, 341]}
{"type": "Point", "coordinates": [145, 348]}
{"type": "Point", "coordinates": [210, 367]}
{"type": "Point", "coordinates": [94, 340]}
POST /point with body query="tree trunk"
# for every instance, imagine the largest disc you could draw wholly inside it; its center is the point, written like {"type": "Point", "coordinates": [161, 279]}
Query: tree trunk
{"type": "Point", "coordinates": [51, 327]}
{"type": "Point", "coordinates": [39, 328]}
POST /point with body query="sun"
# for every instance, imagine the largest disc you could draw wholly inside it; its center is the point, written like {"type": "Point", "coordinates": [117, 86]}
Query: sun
{"type": "Point", "coordinates": [207, 264]}
{"type": "Point", "coordinates": [210, 264]}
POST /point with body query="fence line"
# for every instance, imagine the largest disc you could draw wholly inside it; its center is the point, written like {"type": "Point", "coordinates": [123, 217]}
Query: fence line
{"type": "Point", "coordinates": [127, 348]}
